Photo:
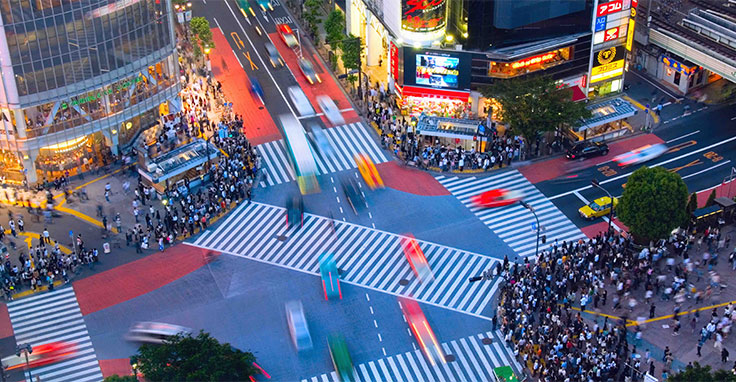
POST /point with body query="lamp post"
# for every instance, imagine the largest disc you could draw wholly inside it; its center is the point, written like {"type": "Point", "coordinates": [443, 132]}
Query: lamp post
{"type": "Point", "coordinates": [134, 366]}
{"type": "Point", "coordinates": [597, 185]}
{"type": "Point", "coordinates": [25, 349]}
{"type": "Point", "coordinates": [531, 209]}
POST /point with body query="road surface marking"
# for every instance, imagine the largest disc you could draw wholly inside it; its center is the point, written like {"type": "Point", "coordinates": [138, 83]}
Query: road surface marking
{"type": "Point", "coordinates": [656, 86]}
{"type": "Point", "coordinates": [379, 338]}
{"type": "Point", "coordinates": [707, 169]}
{"type": "Point", "coordinates": [686, 135]}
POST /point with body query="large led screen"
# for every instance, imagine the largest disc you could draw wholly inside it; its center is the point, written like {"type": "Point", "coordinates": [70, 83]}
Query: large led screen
{"type": "Point", "coordinates": [437, 71]}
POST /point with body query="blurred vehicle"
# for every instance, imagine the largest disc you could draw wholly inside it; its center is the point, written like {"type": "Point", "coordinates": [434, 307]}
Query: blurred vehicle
{"type": "Point", "coordinates": [300, 154]}
{"type": "Point", "coordinates": [422, 331]}
{"type": "Point", "coordinates": [245, 8]}
{"type": "Point", "coordinates": [368, 171]}
{"type": "Point", "coordinates": [341, 359]}
{"type": "Point", "coordinates": [265, 4]}
{"type": "Point", "coordinates": [307, 69]}
{"type": "Point", "coordinates": [416, 258]}
{"type": "Point", "coordinates": [298, 327]}
{"type": "Point", "coordinates": [273, 55]}
{"type": "Point", "coordinates": [301, 102]}
{"type": "Point", "coordinates": [256, 90]}
{"type": "Point", "coordinates": [641, 155]}
{"type": "Point", "coordinates": [330, 277]}
{"type": "Point", "coordinates": [329, 108]}
{"type": "Point", "coordinates": [497, 198]}
{"type": "Point", "coordinates": [587, 149]}
{"type": "Point", "coordinates": [597, 208]}
{"type": "Point", "coordinates": [258, 29]}
{"type": "Point", "coordinates": [287, 35]}
{"type": "Point", "coordinates": [352, 194]}
{"type": "Point", "coordinates": [322, 142]}
{"type": "Point", "coordinates": [154, 332]}
{"type": "Point", "coordinates": [41, 355]}
{"type": "Point", "coordinates": [295, 211]}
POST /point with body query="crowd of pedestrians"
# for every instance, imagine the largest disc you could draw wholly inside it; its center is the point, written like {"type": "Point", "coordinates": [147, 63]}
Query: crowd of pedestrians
{"type": "Point", "coordinates": [540, 303]}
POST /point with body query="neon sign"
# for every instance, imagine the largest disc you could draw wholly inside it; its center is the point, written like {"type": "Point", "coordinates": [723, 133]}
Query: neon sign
{"type": "Point", "coordinates": [610, 7]}
{"type": "Point", "coordinates": [423, 15]}
{"type": "Point", "coordinates": [542, 58]}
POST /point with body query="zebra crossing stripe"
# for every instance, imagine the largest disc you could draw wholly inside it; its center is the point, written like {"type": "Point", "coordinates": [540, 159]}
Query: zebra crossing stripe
{"type": "Point", "coordinates": [513, 223]}
{"type": "Point", "coordinates": [366, 257]}
{"type": "Point", "coordinates": [55, 317]}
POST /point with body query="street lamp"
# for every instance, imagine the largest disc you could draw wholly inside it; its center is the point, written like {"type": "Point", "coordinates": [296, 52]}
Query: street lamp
{"type": "Point", "coordinates": [134, 366]}
{"type": "Point", "coordinates": [530, 208]}
{"type": "Point", "coordinates": [597, 185]}
{"type": "Point", "coordinates": [25, 349]}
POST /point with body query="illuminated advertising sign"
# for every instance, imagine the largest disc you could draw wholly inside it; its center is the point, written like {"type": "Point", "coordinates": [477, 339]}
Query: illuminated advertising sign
{"type": "Point", "coordinates": [608, 63]}
{"type": "Point", "coordinates": [678, 66]}
{"type": "Point", "coordinates": [394, 51]}
{"type": "Point", "coordinates": [423, 15]}
{"type": "Point", "coordinates": [609, 7]}
{"type": "Point", "coordinates": [534, 60]}
{"type": "Point", "coordinates": [611, 34]}
{"type": "Point", "coordinates": [600, 23]}
{"type": "Point", "coordinates": [437, 71]}
{"type": "Point", "coordinates": [630, 35]}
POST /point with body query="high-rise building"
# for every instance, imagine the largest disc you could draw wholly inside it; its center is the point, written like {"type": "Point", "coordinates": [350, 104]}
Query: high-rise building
{"type": "Point", "coordinates": [79, 80]}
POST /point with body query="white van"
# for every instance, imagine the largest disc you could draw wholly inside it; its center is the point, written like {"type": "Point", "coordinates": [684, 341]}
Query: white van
{"type": "Point", "coordinates": [154, 332]}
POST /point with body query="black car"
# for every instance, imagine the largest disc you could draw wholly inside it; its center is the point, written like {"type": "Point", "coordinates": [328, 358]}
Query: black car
{"type": "Point", "coordinates": [353, 194]}
{"type": "Point", "coordinates": [586, 150]}
{"type": "Point", "coordinates": [294, 211]}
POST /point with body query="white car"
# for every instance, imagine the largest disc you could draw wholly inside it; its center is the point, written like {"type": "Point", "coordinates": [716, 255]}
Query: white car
{"type": "Point", "coordinates": [298, 327]}
{"type": "Point", "coordinates": [641, 155]}
{"type": "Point", "coordinates": [322, 142]}
{"type": "Point", "coordinates": [331, 111]}
{"type": "Point", "coordinates": [300, 101]}
{"type": "Point", "coordinates": [154, 332]}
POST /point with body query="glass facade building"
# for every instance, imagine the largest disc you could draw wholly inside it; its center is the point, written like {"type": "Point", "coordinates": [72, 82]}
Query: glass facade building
{"type": "Point", "coordinates": [79, 80]}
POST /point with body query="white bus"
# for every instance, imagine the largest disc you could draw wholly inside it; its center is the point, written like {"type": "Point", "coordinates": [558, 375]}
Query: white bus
{"type": "Point", "coordinates": [300, 153]}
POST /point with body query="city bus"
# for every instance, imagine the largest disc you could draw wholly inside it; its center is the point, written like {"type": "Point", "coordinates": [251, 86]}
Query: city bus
{"type": "Point", "coordinates": [245, 8]}
{"type": "Point", "coordinates": [300, 153]}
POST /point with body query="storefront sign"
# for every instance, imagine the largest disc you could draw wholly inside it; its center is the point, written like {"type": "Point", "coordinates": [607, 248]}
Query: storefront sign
{"type": "Point", "coordinates": [534, 60]}
{"type": "Point", "coordinates": [423, 15]}
{"type": "Point", "coordinates": [608, 63]}
{"type": "Point", "coordinates": [437, 70]}
{"type": "Point", "coordinates": [630, 34]}
{"type": "Point", "coordinates": [95, 96]}
{"type": "Point", "coordinates": [611, 34]}
{"type": "Point", "coordinates": [676, 65]}
{"type": "Point", "coordinates": [394, 52]}
{"type": "Point", "coordinates": [609, 7]}
{"type": "Point", "coordinates": [600, 23]}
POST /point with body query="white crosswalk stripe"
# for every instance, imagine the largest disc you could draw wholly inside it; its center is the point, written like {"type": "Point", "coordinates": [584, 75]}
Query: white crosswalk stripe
{"type": "Point", "coordinates": [474, 361]}
{"type": "Point", "coordinates": [366, 256]}
{"type": "Point", "coordinates": [346, 141]}
{"type": "Point", "coordinates": [51, 317]}
{"type": "Point", "coordinates": [514, 223]}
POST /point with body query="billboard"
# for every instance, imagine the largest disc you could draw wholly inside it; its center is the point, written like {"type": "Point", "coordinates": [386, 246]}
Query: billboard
{"type": "Point", "coordinates": [609, 7]}
{"type": "Point", "coordinates": [423, 15]}
{"type": "Point", "coordinates": [608, 63]}
{"type": "Point", "coordinates": [436, 69]}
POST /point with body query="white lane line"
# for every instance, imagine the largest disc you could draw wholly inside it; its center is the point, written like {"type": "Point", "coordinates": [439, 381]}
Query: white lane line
{"type": "Point", "coordinates": [367, 297]}
{"type": "Point", "coordinates": [372, 311]}
{"type": "Point", "coordinates": [379, 338]}
{"type": "Point", "coordinates": [733, 119]}
{"type": "Point", "coordinates": [707, 169]}
{"type": "Point", "coordinates": [605, 218]}
{"type": "Point", "coordinates": [656, 86]}
{"type": "Point", "coordinates": [680, 137]}
{"type": "Point", "coordinates": [375, 323]}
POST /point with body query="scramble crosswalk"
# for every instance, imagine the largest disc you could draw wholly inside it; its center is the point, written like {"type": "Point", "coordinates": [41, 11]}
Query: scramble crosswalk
{"type": "Point", "coordinates": [51, 317]}
{"type": "Point", "coordinates": [345, 140]}
{"type": "Point", "coordinates": [513, 223]}
{"type": "Point", "coordinates": [475, 357]}
{"type": "Point", "coordinates": [366, 256]}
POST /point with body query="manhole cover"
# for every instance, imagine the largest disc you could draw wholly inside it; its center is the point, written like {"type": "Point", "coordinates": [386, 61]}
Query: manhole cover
{"type": "Point", "coordinates": [281, 237]}
{"type": "Point", "coordinates": [486, 341]}
{"type": "Point", "coordinates": [403, 282]}
{"type": "Point", "coordinates": [450, 358]}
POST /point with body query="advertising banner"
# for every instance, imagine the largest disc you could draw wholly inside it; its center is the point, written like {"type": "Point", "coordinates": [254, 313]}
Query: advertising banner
{"type": "Point", "coordinates": [436, 69]}
{"type": "Point", "coordinates": [423, 15]}
{"type": "Point", "coordinates": [608, 63]}
{"type": "Point", "coordinates": [609, 7]}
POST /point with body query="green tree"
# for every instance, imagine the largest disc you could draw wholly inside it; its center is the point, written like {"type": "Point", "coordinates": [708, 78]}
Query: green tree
{"type": "Point", "coordinates": [699, 373]}
{"type": "Point", "coordinates": [692, 204]}
{"type": "Point", "coordinates": [118, 378]}
{"type": "Point", "coordinates": [335, 28]}
{"type": "Point", "coordinates": [312, 12]}
{"type": "Point", "coordinates": [202, 35]}
{"type": "Point", "coordinates": [200, 358]}
{"type": "Point", "coordinates": [711, 198]}
{"type": "Point", "coordinates": [352, 53]}
{"type": "Point", "coordinates": [534, 105]}
{"type": "Point", "coordinates": [653, 203]}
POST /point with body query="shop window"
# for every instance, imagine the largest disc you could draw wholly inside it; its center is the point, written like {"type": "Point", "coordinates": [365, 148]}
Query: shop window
{"type": "Point", "coordinates": [676, 80]}
{"type": "Point", "coordinates": [531, 64]}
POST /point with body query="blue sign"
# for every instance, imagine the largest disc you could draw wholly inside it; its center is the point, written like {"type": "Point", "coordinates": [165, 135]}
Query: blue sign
{"type": "Point", "coordinates": [481, 129]}
{"type": "Point", "coordinates": [71, 234]}
{"type": "Point", "coordinates": [600, 23]}
{"type": "Point", "coordinates": [534, 226]}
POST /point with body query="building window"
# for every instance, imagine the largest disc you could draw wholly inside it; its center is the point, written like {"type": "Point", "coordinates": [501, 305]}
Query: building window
{"type": "Point", "coordinates": [530, 64]}
{"type": "Point", "coordinates": [678, 75]}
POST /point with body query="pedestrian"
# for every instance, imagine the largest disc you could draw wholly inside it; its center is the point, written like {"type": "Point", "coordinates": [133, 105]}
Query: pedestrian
{"type": "Point", "coordinates": [45, 237]}
{"type": "Point", "coordinates": [21, 224]}
{"type": "Point", "coordinates": [700, 346]}
{"type": "Point", "coordinates": [724, 355]}
{"type": "Point", "coordinates": [651, 310]}
{"type": "Point", "coordinates": [676, 331]}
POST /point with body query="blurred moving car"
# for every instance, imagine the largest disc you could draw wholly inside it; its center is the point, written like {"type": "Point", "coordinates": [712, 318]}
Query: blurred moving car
{"type": "Point", "coordinates": [322, 142]}
{"type": "Point", "coordinates": [329, 108]}
{"type": "Point", "coordinates": [368, 171]}
{"type": "Point", "coordinates": [597, 208]}
{"type": "Point", "coordinates": [330, 276]}
{"type": "Point", "coordinates": [273, 55]}
{"type": "Point", "coordinates": [641, 155]}
{"type": "Point", "coordinates": [154, 332]}
{"type": "Point", "coordinates": [422, 331]}
{"type": "Point", "coordinates": [416, 258]}
{"type": "Point", "coordinates": [245, 8]}
{"type": "Point", "coordinates": [352, 194]}
{"type": "Point", "coordinates": [298, 327]}
{"type": "Point", "coordinates": [265, 5]}
{"type": "Point", "coordinates": [341, 359]}
{"type": "Point", "coordinates": [497, 198]}
{"type": "Point", "coordinates": [256, 90]}
{"type": "Point", "coordinates": [587, 149]}
{"type": "Point", "coordinates": [287, 35]}
{"type": "Point", "coordinates": [300, 100]}
{"type": "Point", "coordinates": [295, 211]}
{"type": "Point", "coordinates": [308, 71]}
{"type": "Point", "coordinates": [41, 355]}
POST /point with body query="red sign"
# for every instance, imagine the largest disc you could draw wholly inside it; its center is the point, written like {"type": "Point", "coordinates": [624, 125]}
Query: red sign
{"type": "Point", "coordinates": [634, 3]}
{"type": "Point", "coordinates": [394, 51]}
{"type": "Point", "coordinates": [423, 15]}
{"type": "Point", "coordinates": [611, 34]}
{"type": "Point", "coordinates": [534, 60]}
{"type": "Point", "coordinates": [610, 7]}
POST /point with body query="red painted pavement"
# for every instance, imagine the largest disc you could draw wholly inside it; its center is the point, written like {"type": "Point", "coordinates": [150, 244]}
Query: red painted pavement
{"type": "Point", "coordinates": [6, 328]}
{"type": "Point", "coordinates": [328, 86]}
{"type": "Point", "coordinates": [593, 230]}
{"type": "Point", "coordinates": [410, 180]}
{"type": "Point", "coordinates": [119, 366]}
{"type": "Point", "coordinates": [553, 168]}
{"type": "Point", "coordinates": [257, 122]}
{"type": "Point", "coordinates": [137, 278]}
{"type": "Point", "coordinates": [722, 190]}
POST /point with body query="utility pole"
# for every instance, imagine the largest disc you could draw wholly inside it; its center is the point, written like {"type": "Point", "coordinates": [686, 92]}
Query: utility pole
{"type": "Point", "coordinates": [25, 349]}
{"type": "Point", "coordinates": [531, 209]}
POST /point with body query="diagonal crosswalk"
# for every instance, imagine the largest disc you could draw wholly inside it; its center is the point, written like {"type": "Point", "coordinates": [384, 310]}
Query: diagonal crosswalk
{"type": "Point", "coordinates": [475, 357]}
{"type": "Point", "coordinates": [52, 317]}
{"type": "Point", "coordinates": [346, 141]}
{"type": "Point", "coordinates": [513, 223]}
{"type": "Point", "coordinates": [366, 257]}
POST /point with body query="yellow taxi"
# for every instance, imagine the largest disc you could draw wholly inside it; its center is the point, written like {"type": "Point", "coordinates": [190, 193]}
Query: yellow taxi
{"type": "Point", "coordinates": [599, 207]}
{"type": "Point", "coordinates": [368, 171]}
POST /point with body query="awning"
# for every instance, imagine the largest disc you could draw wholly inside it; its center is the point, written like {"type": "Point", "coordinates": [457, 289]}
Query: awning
{"type": "Point", "coordinates": [417, 91]}
{"type": "Point", "coordinates": [608, 111]}
{"type": "Point", "coordinates": [707, 211]}
{"type": "Point", "coordinates": [577, 94]}
{"type": "Point", "coordinates": [724, 202]}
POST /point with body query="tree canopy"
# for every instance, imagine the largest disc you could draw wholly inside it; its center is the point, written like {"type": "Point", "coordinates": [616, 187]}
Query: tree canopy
{"type": "Point", "coordinates": [654, 203]}
{"type": "Point", "coordinates": [118, 378]}
{"type": "Point", "coordinates": [699, 373]}
{"type": "Point", "coordinates": [312, 12]}
{"type": "Point", "coordinates": [534, 105]}
{"type": "Point", "coordinates": [188, 358]}
{"type": "Point", "coordinates": [335, 28]}
{"type": "Point", "coordinates": [352, 51]}
{"type": "Point", "coordinates": [202, 35]}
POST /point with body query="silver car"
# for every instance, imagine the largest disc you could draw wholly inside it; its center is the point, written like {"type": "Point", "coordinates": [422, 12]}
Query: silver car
{"type": "Point", "coordinates": [330, 109]}
{"type": "Point", "coordinates": [300, 101]}
{"type": "Point", "coordinates": [154, 332]}
{"type": "Point", "coordinates": [322, 142]}
{"type": "Point", "coordinates": [298, 327]}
